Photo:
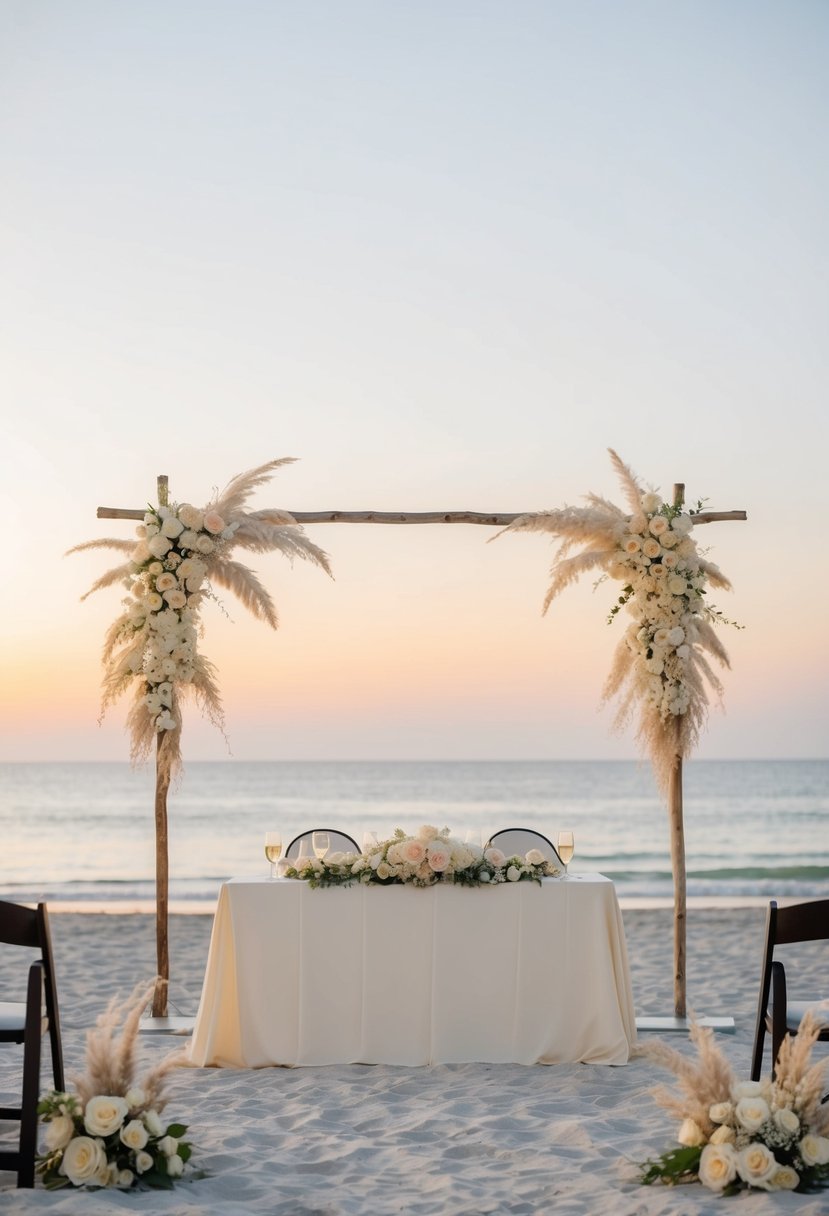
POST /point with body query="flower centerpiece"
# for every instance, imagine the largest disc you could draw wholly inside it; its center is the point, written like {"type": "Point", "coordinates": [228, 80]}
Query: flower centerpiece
{"type": "Point", "coordinates": [428, 857]}
{"type": "Point", "coordinates": [113, 1133]}
{"type": "Point", "coordinates": [770, 1135]}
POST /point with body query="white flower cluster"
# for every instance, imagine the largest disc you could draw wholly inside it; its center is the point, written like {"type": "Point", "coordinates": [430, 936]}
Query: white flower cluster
{"type": "Point", "coordinates": [664, 585]}
{"type": "Point", "coordinates": [170, 564]}
{"type": "Point", "coordinates": [112, 1142]}
{"type": "Point", "coordinates": [428, 857]}
{"type": "Point", "coordinates": [758, 1141]}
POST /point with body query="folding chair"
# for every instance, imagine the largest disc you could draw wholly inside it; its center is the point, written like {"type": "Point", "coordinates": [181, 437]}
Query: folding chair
{"type": "Point", "coordinates": [26, 1023]}
{"type": "Point", "coordinates": [807, 922]}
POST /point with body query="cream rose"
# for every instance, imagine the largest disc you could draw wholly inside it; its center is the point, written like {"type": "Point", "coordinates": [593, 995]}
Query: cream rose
{"type": "Point", "coordinates": [438, 856]}
{"type": "Point", "coordinates": [190, 516]}
{"type": "Point", "coordinates": [722, 1135]}
{"type": "Point", "coordinates": [154, 601]}
{"type": "Point", "coordinates": [143, 1162]}
{"type": "Point", "coordinates": [756, 1165]}
{"type": "Point", "coordinates": [651, 547]}
{"type": "Point", "coordinates": [658, 525]}
{"type": "Point", "coordinates": [214, 523]}
{"type": "Point", "coordinates": [175, 598]}
{"type": "Point", "coordinates": [752, 1113]}
{"type": "Point", "coordinates": [677, 585]}
{"type": "Point", "coordinates": [513, 874]}
{"type": "Point", "coordinates": [125, 1179]}
{"type": "Point", "coordinates": [172, 527]}
{"type": "Point", "coordinates": [784, 1179]}
{"type": "Point", "coordinates": [690, 1134]}
{"type": "Point", "coordinates": [383, 870]}
{"type": "Point", "coordinates": [134, 1134]}
{"type": "Point", "coordinates": [159, 545]}
{"type": "Point", "coordinates": [495, 857]}
{"type": "Point", "coordinates": [535, 857]}
{"type": "Point", "coordinates": [175, 1166]}
{"type": "Point", "coordinates": [427, 833]}
{"type": "Point", "coordinates": [58, 1133]}
{"type": "Point", "coordinates": [814, 1150]}
{"type": "Point", "coordinates": [205, 545]}
{"type": "Point", "coordinates": [104, 1114]}
{"type": "Point", "coordinates": [632, 544]}
{"type": "Point", "coordinates": [720, 1112]}
{"type": "Point", "coordinates": [165, 582]}
{"type": "Point", "coordinates": [82, 1159]}
{"type": "Point", "coordinates": [717, 1166]}
{"type": "Point", "coordinates": [787, 1121]}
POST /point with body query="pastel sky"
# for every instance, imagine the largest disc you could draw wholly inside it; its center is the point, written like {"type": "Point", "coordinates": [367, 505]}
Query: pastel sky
{"type": "Point", "coordinates": [446, 253]}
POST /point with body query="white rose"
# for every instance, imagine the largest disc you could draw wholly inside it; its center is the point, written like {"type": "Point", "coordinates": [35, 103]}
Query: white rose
{"type": "Point", "coordinates": [677, 585]}
{"type": "Point", "coordinates": [658, 525]}
{"type": "Point", "coordinates": [682, 524]}
{"type": "Point", "coordinates": [143, 1162]}
{"type": "Point", "coordinates": [495, 857]}
{"type": "Point", "coordinates": [125, 1179]}
{"type": "Point", "coordinates": [650, 503]}
{"type": "Point", "coordinates": [752, 1113]}
{"type": "Point", "coordinates": [154, 601]}
{"type": "Point", "coordinates": [717, 1166]}
{"type": "Point", "coordinates": [136, 1096]}
{"type": "Point", "coordinates": [172, 527]}
{"type": "Point", "coordinates": [427, 833]}
{"type": "Point", "coordinates": [168, 1146]}
{"type": "Point", "coordinates": [690, 1134]}
{"type": "Point", "coordinates": [190, 516]}
{"type": "Point", "coordinates": [104, 1115]}
{"type": "Point", "coordinates": [82, 1159]}
{"type": "Point", "coordinates": [175, 1166]}
{"type": "Point", "coordinates": [383, 870]}
{"type": "Point", "coordinates": [668, 539]}
{"type": "Point", "coordinates": [175, 598]}
{"type": "Point", "coordinates": [814, 1150]}
{"type": "Point", "coordinates": [205, 545]}
{"type": "Point", "coordinates": [214, 523]}
{"type": "Point", "coordinates": [651, 547]}
{"type": "Point", "coordinates": [632, 544]}
{"type": "Point", "coordinates": [188, 540]}
{"type": "Point", "coordinates": [134, 1134]}
{"type": "Point", "coordinates": [756, 1165]}
{"type": "Point", "coordinates": [787, 1121]}
{"type": "Point", "coordinates": [165, 582]}
{"type": "Point", "coordinates": [513, 874]}
{"type": "Point", "coordinates": [720, 1112]}
{"type": "Point", "coordinates": [784, 1179]}
{"type": "Point", "coordinates": [535, 857]}
{"type": "Point", "coordinates": [722, 1135]}
{"type": "Point", "coordinates": [159, 545]}
{"type": "Point", "coordinates": [59, 1132]}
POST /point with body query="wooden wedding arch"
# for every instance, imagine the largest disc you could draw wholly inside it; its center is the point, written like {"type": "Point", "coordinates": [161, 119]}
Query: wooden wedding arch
{"type": "Point", "coordinates": [487, 519]}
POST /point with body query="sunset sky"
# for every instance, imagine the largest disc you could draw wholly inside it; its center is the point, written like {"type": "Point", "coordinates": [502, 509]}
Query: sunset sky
{"type": "Point", "coordinates": [446, 254]}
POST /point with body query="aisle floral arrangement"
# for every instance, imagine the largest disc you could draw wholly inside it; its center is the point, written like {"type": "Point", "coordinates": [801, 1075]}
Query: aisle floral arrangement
{"type": "Point", "coordinates": [766, 1135]}
{"type": "Point", "coordinates": [660, 664]}
{"type": "Point", "coordinates": [430, 856]}
{"type": "Point", "coordinates": [112, 1132]}
{"type": "Point", "coordinates": [181, 553]}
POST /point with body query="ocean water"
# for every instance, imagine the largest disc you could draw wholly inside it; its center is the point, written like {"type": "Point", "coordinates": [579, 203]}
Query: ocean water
{"type": "Point", "coordinates": [86, 832]}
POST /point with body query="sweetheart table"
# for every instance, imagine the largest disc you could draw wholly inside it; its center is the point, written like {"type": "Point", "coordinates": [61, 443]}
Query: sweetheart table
{"type": "Point", "coordinates": [521, 973]}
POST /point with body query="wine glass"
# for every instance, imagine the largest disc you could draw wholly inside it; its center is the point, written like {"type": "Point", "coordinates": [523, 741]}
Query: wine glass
{"type": "Point", "coordinates": [304, 850]}
{"type": "Point", "coordinates": [369, 841]}
{"type": "Point", "coordinates": [273, 849]}
{"type": "Point", "coordinates": [321, 844]}
{"type": "Point", "coordinates": [565, 846]}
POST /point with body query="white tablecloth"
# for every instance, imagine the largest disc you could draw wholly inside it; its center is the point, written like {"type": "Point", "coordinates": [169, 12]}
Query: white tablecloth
{"type": "Point", "coordinates": [400, 975]}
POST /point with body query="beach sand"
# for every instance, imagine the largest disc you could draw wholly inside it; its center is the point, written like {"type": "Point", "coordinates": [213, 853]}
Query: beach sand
{"type": "Point", "coordinates": [456, 1139]}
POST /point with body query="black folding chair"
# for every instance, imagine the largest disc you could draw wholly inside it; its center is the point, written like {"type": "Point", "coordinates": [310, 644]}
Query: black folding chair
{"type": "Point", "coordinates": [339, 842]}
{"type": "Point", "coordinates": [26, 1023]}
{"type": "Point", "coordinates": [517, 842]}
{"type": "Point", "coordinates": [807, 922]}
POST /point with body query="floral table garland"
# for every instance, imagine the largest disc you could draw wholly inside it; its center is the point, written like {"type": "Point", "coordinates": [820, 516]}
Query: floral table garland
{"type": "Point", "coordinates": [766, 1135]}
{"type": "Point", "coordinates": [429, 857]}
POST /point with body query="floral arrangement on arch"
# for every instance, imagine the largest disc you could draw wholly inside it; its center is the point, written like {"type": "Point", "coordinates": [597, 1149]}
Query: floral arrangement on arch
{"type": "Point", "coordinates": [112, 1133]}
{"type": "Point", "coordinates": [422, 860]}
{"type": "Point", "coordinates": [766, 1135]}
{"type": "Point", "coordinates": [180, 554]}
{"type": "Point", "coordinates": [661, 662]}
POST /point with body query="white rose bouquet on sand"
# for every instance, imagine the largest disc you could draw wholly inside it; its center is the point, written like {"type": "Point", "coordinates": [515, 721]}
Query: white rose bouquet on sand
{"type": "Point", "coordinates": [770, 1135]}
{"type": "Point", "coordinates": [428, 857]}
{"type": "Point", "coordinates": [112, 1133]}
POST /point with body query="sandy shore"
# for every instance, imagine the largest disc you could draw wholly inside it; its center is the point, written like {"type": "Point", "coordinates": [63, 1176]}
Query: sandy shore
{"type": "Point", "coordinates": [456, 1139]}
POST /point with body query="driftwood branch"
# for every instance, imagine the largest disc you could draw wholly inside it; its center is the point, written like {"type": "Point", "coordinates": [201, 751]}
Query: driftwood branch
{"type": "Point", "coordinates": [490, 519]}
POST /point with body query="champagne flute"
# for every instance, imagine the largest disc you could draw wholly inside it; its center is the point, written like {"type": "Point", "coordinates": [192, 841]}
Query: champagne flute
{"type": "Point", "coordinates": [565, 846]}
{"type": "Point", "coordinates": [273, 849]}
{"type": "Point", "coordinates": [321, 844]}
{"type": "Point", "coordinates": [369, 841]}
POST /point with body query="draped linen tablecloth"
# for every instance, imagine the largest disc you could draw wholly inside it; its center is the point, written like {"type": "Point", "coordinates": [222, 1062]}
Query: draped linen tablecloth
{"type": "Point", "coordinates": [516, 973]}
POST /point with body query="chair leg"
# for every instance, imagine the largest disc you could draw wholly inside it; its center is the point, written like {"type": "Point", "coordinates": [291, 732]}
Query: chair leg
{"type": "Point", "coordinates": [31, 1079]}
{"type": "Point", "coordinates": [778, 1012]}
